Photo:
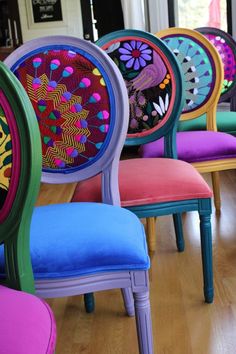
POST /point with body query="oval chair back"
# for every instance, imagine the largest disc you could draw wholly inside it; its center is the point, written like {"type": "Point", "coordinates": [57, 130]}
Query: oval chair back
{"type": "Point", "coordinates": [226, 46]}
{"type": "Point", "coordinates": [20, 171]}
{"type": "Point", "coordinates": [203, 72]}
{"type": "Point", "coordinates": [75, 101]}
{"type": "Point", "coordinates": [82, 109]}
{"type": "Point", "coordinates": [154, 82]}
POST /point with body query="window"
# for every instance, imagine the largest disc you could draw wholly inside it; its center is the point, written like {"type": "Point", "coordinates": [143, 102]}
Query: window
{"type": "Point", "coordinates": [212, 13]}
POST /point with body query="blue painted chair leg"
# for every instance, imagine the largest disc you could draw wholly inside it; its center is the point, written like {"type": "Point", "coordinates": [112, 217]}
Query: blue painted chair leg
{"type": "Point", "coordinates": [89, 302]}
{"type": "Point", "coordinates": [179, 232]}
{"type": "Point", "coordinates": [206, 246]}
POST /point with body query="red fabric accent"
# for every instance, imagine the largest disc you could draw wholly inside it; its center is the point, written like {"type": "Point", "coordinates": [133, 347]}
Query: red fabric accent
{"type": "Point", "coordinates": [27, 324]}
{"type": "Point", "coordinates": [147, 181]}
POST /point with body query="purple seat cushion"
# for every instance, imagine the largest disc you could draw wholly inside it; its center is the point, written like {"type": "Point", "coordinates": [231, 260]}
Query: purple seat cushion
{"type": "Point", "coordinates": [27, 324]}
{"type": "Point", "coordinates": [196, 146]}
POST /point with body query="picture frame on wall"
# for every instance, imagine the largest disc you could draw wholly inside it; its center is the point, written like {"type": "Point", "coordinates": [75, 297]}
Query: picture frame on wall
{"type": "Point", "coordinates": [45, 13]}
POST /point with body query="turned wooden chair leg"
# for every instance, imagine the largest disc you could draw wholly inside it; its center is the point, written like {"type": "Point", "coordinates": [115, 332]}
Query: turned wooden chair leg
{"type": "Point", "coordinates": [128, 301]}
{"type": "Point", "coordinates": [216, 189]}
{"type": "Point", "coordinates": [151, 233]}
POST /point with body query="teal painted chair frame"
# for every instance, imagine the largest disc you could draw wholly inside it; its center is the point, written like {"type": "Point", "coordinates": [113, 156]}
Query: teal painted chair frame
{"type": "Point", "coordinates": [168, 130]}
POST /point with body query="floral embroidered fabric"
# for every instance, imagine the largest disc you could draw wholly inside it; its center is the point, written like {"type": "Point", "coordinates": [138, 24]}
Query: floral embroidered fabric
{"type": "Point", "coordinates": [228, 58]}
{"type": "Point", "coordinates": [5, 157]}
{"type": "Point", "coordinates": [70, 99]}
{"type": "Point", "coordinates": [147, 79]}
{"type": "Point", "coordinates": [197, 68]}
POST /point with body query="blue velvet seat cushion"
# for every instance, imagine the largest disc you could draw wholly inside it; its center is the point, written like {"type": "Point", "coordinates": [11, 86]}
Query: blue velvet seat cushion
{"type": "Point", "coordinates": [74, 239]}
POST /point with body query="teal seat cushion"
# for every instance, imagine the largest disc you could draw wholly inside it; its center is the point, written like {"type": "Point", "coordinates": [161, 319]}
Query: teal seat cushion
{"type": "Point", "coordinates": [226, 122]}
{"type": "Point", "coordinates": [74, 239]}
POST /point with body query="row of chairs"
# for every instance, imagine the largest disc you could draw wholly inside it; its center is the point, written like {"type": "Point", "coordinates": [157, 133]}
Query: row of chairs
{"type": "Point", "coordinates": [81, 105]}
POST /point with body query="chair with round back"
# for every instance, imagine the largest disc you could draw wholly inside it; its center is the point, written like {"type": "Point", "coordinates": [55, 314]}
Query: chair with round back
{"type": "Point", "coordinates": [210, 150]}
{"type": "Point", "coordinates": [81, 104]}
{"type": "Point", "coordinates": [148, 187]}
{"type": "Point", "coordinates": [27, 324]}
{"type": "Point", "coordinates": [226, 46]}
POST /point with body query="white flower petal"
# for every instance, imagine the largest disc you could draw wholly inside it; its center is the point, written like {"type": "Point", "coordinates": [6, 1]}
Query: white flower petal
{"type": "Point", "coordinates": [166, 102]}
{"type": "Point", "coordinates": [113, 47]}
{"type": "Point", "coordinates": [157, 108]}
{"type": "Point", "coordinates": [161, 103]}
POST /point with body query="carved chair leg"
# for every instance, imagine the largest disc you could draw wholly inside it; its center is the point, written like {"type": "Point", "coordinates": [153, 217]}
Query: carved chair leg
{"type": "Point", "coordinates": [151, 233]}
{"type": "Point", "coordinates": [177, 218]}
{"type": "Point", "coordinates": [215, 176]}
{"type": "Point", "coordinates": [89, 302]}
{"type": "Point", "coordinates": [128, 301]}
{"type": "Point", "coordinates": [206, 247]}
{"type": "Point", "coordinates": [143, 322]}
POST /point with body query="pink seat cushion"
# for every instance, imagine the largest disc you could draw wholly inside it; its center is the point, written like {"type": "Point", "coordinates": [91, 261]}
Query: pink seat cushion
{"type": "Point", "coordinates": [148, 181]}
{"type": "Point", "coordinates": [196, 146]}
{"type": "Point", "coordinates": [27, 324]}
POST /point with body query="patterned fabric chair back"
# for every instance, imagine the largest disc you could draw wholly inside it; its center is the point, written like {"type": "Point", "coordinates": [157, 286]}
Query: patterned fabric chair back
{"type": "Point", "coordinates": [20, 172]}
{"type": "Point", "coordinates": [153, 80]}
{"type": "Point", "coordinates": [20, 163]}
{"type": "Point", "coordinates": [203, 72]}
{"type": "Point", "coordinates": [226, 46]}
{"type": "Point", "coordinates": [81, 108]}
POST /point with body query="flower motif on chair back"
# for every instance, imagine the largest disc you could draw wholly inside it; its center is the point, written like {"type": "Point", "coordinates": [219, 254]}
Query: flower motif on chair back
{"type": "Point", "coordinates": [198, 70]}
{"type": "Point", "coordinates": [148, 78]}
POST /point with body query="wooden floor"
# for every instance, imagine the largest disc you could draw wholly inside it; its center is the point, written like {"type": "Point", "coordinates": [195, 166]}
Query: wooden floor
{"type": "Point", "coordinates": [182, 322]}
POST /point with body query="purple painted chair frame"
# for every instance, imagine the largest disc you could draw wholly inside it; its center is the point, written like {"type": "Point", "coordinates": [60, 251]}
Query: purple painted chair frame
{"type": "Point", "coordinates": [132, 279]}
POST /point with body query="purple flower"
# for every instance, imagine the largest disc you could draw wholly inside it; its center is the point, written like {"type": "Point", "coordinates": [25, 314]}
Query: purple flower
{"type": "Point", "coordinates": [135, 53]}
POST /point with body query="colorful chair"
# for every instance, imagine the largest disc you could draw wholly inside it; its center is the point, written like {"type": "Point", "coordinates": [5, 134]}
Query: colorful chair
{"type": "Point", "coordinates": [226, 46]}
{"type": "Point", "coordinates": [81, 105]}
{"type": "Point", "coordinates": [27, 324]}
{"type": "Point", "coordinates": [155, 187]}
{"type": "Point", "coordinates": [208, 151]}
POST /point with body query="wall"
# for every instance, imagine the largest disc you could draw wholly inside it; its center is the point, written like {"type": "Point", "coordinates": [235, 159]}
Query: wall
{"type": "Point", "coordinates": [71, 16]}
